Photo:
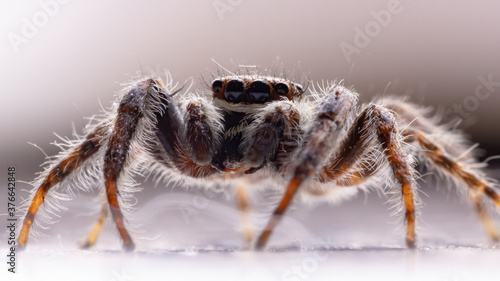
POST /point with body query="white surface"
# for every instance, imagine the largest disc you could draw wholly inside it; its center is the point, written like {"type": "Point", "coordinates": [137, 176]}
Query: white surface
{"type": "Point", "coordinates": [353, 241]}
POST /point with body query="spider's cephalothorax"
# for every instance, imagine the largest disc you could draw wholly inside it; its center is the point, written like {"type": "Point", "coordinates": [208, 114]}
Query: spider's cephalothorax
{"type": "Point", "coordinates": [324, 146]}
{"type": "Point", "coordinates": [238, 98]}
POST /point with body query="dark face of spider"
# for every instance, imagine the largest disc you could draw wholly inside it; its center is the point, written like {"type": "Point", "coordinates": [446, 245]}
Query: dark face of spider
{"type": "Point", "coordinates": [247, 90]}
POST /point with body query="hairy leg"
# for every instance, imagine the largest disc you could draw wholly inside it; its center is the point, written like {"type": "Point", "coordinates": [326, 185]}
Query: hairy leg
{"type": "Point", "coordinates": [447, 154]}
{"type": "Point", "coordinates": [244, 207]}
{"type": "Point", "coordinates": [375, 125]}
{"type": "Point", "coordinates": [190, 154]}
{"type": "Point", "coordinates": [456, 170]}
{"type": "Point", "coordinates": [136, 106]}
{"type": "Point", "coordinates": [56, 174]}
{"type": "Point", "coordinates": [329, 121]}
{"type": "Point", "coordinates": [96, 228]}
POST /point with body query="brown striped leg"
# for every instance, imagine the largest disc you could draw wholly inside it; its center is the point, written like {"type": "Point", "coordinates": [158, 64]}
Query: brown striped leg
{"type": "Point", "coordinates": [96, 229]}
{"type": "Point", "coordinates": [246, 223]}
{"type": "Point", "coordinates": [354, 147]}
{"type": "Point", "coordinates": [328, 123]}
{"type": "Point", "coordinates": [454, 169]}
{"type": "Point", "coordinates": [391, 141]}
{"type": "Point", "coordinates": [130, 111]}
{"type": "Point", "coordinates": [483, 215]}
{"type": "Point", "coordinates": [188, 154]}
{"type": "Point", "coordinates": [413, 118]}
{"type": "Point", "coordinates": [57, 173]}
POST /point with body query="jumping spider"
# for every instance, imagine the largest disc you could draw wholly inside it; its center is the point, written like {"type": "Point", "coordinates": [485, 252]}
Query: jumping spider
{"type": "Point", "coordinates": [317, 142]}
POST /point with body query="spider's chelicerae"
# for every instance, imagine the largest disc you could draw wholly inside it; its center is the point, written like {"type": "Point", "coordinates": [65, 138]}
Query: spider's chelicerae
{"type": "Point", "coordinates": [315, 143]}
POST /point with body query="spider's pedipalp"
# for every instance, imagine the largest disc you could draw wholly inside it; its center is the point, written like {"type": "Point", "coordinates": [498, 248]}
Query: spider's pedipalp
{"type": "Point", "coordinates": [203, 129]}
{"type": "Point", "coordinates": [273, 135]}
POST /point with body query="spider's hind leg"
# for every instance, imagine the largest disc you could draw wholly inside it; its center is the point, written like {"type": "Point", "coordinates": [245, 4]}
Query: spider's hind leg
{"type": "Point", "coordinates": [453, 168]}
{"type": "Point", "coordinates": [448, 155]}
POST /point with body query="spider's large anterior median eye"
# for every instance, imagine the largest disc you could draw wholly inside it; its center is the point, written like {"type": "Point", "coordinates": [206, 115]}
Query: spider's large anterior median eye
{"type": "Point", "coordinates": [281, 88]}
{"type": "Point", "coordinates": [259, 91]}
{"type": "Point", "coordinates": [234, 91]}
{"type": "Point", "coordinates": [216, 85]}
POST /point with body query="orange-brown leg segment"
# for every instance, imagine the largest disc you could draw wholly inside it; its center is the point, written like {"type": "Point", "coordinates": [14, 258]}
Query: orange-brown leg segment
{"type": "Point", "coordinates": [96, 228]}
{"type": "Point", "coordinates": [246, 223]}
{"type": "Point", "coordinates": [129, 113]}
{"type": "Point", "coordinates": [390, 139]}
{"type": "Point", "coordinates": [321, 140]}
{"type": "Point", "coordinates": [483, 215]}
{"type": "Point", "coordinates": [344, 169]}
{"type": "Point", "coordinates": [56, 174]}
{"type": "Point", "coordinates": [453, 168]}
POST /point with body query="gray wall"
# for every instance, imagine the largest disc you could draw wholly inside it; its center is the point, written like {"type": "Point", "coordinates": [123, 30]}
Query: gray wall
{"type": "Point", "coordinates": [76, 55]}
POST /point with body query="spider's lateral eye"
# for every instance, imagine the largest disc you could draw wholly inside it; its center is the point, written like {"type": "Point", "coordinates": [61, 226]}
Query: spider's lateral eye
{"type": "Point", "coordinates": [281, 88]}
{"type": "Point", "coordinates": [300, 88]}
{"type": "Point", "coordinates": [216, 85]}
{"type": "Point", "coordinates": [234, 91]}
{"type": "Point", "coordinates": [259, 91]}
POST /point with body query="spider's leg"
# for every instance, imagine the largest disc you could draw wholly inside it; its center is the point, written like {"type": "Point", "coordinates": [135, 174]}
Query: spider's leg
{"type": "Point", "coordinates": [320, 141]}
{"type": "Point", "coordinates": [185, 155]}
{"type": "Point", "coordinates": [453, 168]}
{"type": "Point", "coordinates": [188, 144]}
{"type": "Point", "coordinates": [57, 173]}
{"type": "Point", "coordinates": [452, 148]}
{"type": "Point", "coordinates": [376, 121]}
{"type": "Point", "coordinates": [135, 122]}
{"type": "Point", "coordinates": [246, 223]}
{"type": "Point", "coordinates": [96, 228]}
{"type": "Point", "coordinates": [483, 215]}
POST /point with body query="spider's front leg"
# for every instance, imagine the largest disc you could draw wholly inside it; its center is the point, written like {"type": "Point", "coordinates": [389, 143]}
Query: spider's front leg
{"type": "Point", "coordinates": [317, 146]}
{"type": "Point", "coordinates": [134, 121]}
{"type": "Point", "coordinates": [175, 143]}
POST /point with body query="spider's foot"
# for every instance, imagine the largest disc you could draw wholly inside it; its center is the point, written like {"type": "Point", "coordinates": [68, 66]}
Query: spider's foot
{"type": "Point", "coordinates": [20, 247]}
{"type": "Point", "coordinates": [128, 246]}
{"type": "Point", "coordinates": [410, 242]}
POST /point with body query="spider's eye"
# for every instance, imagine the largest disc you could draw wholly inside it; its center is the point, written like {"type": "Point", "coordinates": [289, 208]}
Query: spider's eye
{"type": "Point", "coordinates": [216, 85]}
{"type": "Point", "coordinates": [234, 91]}
{"type": "Point", "coordinates": [281, 88]}
{"type": "Point", "coordinates": [300, 88]}
{"type": "Point", "coordinates": [259, 91]}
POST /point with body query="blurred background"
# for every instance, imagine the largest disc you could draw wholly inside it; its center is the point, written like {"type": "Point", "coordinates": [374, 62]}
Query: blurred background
{"type": "Point", "coordinates": [61, 59]}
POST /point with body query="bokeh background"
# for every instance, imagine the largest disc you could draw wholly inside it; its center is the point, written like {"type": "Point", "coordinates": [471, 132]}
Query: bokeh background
{"type": "Point", "coordinates": [59, 61]}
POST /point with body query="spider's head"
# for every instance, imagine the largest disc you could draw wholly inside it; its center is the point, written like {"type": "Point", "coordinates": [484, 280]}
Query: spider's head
{"type": "Point", "coordinates": [254, 90]}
